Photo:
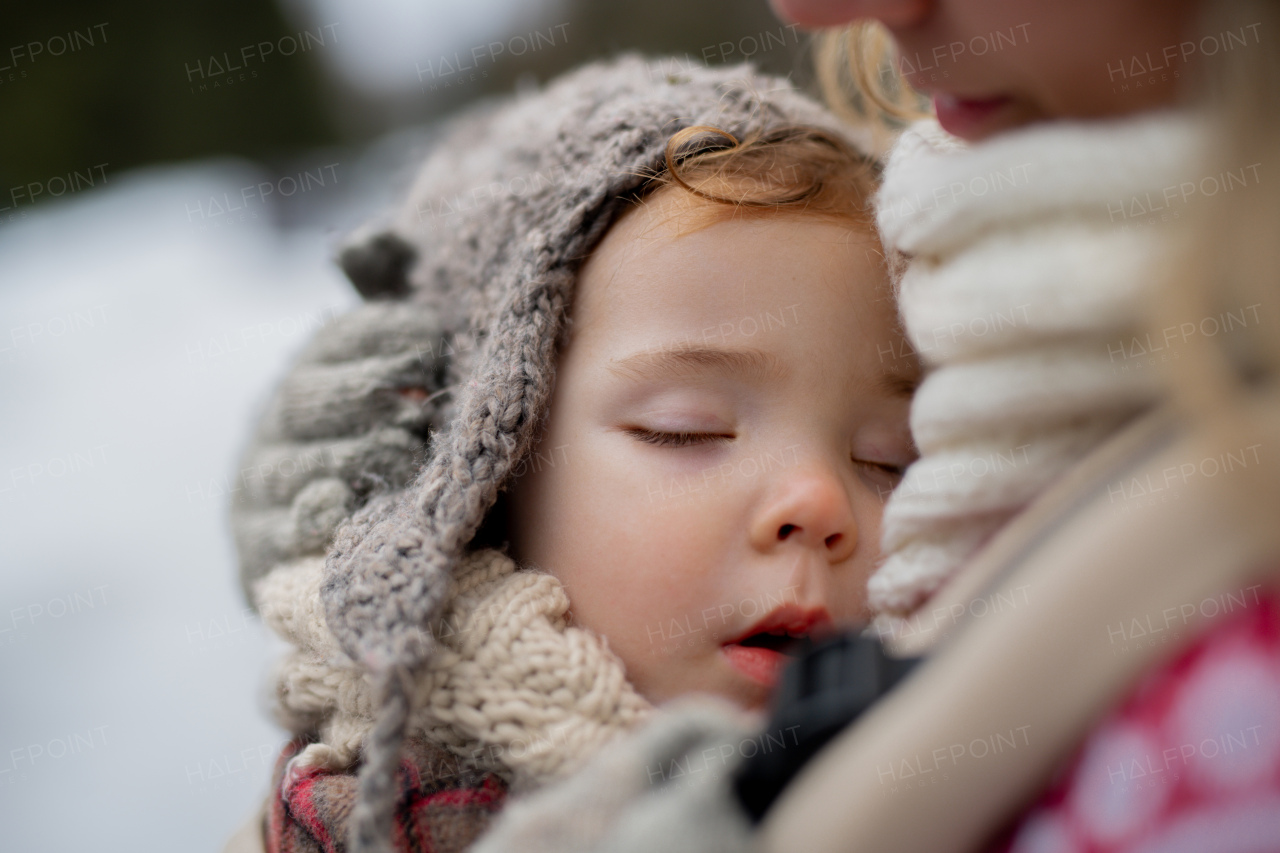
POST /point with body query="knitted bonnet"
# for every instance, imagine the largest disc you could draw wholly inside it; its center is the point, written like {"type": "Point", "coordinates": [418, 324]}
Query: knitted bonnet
{"type": "Point", "coordinates": [410, 413]}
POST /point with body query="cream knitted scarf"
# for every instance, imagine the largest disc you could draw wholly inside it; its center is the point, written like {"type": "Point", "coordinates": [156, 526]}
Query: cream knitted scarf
{"type": "Point", "coordinates": [1029, 257]}
{"type": "Point", "coordinates": [515, 688]}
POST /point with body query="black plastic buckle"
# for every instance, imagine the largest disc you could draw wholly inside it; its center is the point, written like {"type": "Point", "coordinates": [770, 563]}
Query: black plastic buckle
{"type": "Point", "coordinates": [820, 693]}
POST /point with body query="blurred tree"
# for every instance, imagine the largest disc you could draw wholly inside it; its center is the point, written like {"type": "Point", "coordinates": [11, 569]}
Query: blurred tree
{"type": "Point", "coordinates": [91, 87]}
{"type": "Point", "coordinates": [84, 82]}
{"type": "Point", "coordinates": [711, 31]}
{"type": "Point", "coordinates": [576, 31]}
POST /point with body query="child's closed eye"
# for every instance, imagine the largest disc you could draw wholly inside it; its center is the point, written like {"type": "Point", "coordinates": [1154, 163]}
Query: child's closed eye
{"type": "Point", "coordinates": [676, 439]}
{"type": "Point", "coordinates": [882, 467]}
{"type": "Point", "coordinates": [884, 477]}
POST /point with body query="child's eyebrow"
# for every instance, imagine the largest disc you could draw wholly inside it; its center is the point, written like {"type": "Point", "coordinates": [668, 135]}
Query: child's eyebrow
{"type": "Point", "coordinates": [685, 360]}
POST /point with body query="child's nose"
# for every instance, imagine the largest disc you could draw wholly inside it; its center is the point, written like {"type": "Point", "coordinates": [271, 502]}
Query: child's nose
{"type": "Point", "coordinates": [810, 508]}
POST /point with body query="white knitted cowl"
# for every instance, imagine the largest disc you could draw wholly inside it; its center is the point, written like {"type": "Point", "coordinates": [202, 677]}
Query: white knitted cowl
{"type": "Point", "coordinates": [1029, 257]}
{"type": "Point", "coordinates": [515, 688]}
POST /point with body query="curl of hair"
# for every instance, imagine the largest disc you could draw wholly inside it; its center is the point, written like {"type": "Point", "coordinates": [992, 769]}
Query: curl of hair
{"type": "Point", "coordinates": [792, 169]}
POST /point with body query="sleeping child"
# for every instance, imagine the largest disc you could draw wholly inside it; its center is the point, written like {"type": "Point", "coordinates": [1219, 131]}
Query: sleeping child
{"type": "Point", "coordinates": [613, 425]}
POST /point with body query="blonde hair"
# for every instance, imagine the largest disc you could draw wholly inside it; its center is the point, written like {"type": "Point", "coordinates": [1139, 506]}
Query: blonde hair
{"type": "Point", "coordinates": [860, 79]}
{"type": "Point", "coordinates": [1233, 256]}
{"type": "Point", "coordinates": [1232, 259]}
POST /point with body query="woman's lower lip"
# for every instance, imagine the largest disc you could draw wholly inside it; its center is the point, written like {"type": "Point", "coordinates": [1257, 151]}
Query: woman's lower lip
{"type": "Point", "coordinates": [965, 117]}
{"type": "Point", "coordinates": [761, 665]}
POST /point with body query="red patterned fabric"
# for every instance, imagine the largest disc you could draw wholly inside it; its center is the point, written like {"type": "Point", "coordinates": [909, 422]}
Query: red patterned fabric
{"type": "Point", "coordinates": [1190, 760]}
{"type": "Point", "coordinates": [442, 807]}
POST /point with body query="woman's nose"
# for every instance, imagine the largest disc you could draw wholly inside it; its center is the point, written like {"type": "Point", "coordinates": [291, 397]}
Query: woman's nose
{"type": "Point", "coordinates": [833, 13]}
{"type": "Point", "coordinates": [808, 507]}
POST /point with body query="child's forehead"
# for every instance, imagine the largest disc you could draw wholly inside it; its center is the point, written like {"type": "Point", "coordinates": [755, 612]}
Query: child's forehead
{"type": "Point", "coordinates": [672, 213]}
{"type": "Point", "coordinates": [656, 280]}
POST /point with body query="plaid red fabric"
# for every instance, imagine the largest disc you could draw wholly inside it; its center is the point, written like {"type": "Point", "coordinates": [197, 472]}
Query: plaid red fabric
{"type": "Point", "coordinates": [442, 806]}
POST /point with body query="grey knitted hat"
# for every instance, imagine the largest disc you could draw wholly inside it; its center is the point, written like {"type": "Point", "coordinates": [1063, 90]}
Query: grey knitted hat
{"type": "Point", "coordinates": [416, 407]}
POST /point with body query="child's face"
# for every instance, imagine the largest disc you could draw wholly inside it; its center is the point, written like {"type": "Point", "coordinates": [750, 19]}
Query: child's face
{"type": "Point", "coordinates": [690, 498]}
{"type": "Point", "coordinates": [991, 65]}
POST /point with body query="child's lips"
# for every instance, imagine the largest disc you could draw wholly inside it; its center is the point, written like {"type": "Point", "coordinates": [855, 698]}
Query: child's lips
{"type": "Point", "coordinates": [764, 649]}
{"type": "Point", "coordinates": [761, 665]}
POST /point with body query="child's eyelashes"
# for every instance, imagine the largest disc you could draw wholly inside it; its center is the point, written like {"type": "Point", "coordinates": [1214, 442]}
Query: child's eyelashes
{"type": "Point", "coordinates": [884, 477]}
{"type": "Point", "coordinates": [677, 439]}
{"type": "Point", "coordinates": [882, 467]}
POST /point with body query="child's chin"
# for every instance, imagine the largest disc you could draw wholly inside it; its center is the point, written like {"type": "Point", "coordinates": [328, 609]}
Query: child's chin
{"type": "Point", "coordinates": [721, 679]}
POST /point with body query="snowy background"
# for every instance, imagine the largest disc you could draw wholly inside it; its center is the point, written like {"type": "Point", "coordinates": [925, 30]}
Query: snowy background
{"type": "Point", "coordinates": [138, 342]}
